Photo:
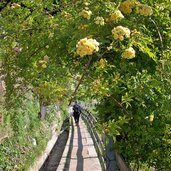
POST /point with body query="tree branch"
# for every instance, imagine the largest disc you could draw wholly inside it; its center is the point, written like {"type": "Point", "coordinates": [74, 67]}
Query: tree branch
{"type": "Point", "coordinates": [120, 105]}
{"type": "Point", "coordinates": [161, 41]}
{"type": "Point", "coordinates": [81, 79]}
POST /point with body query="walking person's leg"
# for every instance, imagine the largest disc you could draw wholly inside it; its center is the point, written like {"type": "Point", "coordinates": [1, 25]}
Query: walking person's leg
{"type": "Point", "coordinates": [75, 118]}
{"type": "Point", "coordinates": [78, 118]}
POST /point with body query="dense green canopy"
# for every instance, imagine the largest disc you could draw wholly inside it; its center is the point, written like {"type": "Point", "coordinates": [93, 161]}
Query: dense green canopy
{"type": "Point", "coordinates": [117, 52]}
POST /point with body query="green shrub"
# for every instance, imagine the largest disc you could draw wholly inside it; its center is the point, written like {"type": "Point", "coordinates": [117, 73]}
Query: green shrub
{"type": "Point", "coordinates": [30, 135]}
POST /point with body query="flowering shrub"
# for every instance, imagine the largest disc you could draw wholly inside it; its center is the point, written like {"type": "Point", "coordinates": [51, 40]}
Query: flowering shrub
{"type": "Point", "coordinates": [120, 32]}
{"type": "Point", "coordinates": [144, 10]}
{"type": "Point", "coordinates": [151, 117]}
{"type": "Point", "coordinates": [135, 33]}
{"type": "Point", "coordinates": [95, 84]}
{"type": "Point", "coordinates": [15, 5]}
{"type": "Point", "coordinates": [99, 21]}
{"type": "Point", "coordinates": [46, 58]}
{"type": "Point", "coordinates": [109, 47]}
{"type": "Point", "coordinates": [128, 53]}
{"type": "Point", "coordinates": [102, 63]}
{"type": "Point", "coordinates": [87, 47]}
{"type": "Point", "coordinates": [42, 64]}
{"type": "Point", "coordinates": [116, 15]}
{"type": "Point", "coordinates": [85, 14]}
{"type": "Point", "coordinates": [127, 6]}
{"type": "Point", "coordinates": [67, 15]}
{"type": "Point", "coordinates": [82, 27]}
{"type": "Point", "coordinates": [131, 89]}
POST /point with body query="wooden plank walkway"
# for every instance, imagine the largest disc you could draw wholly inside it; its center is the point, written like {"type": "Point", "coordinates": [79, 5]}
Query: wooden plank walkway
{"type": "Point", "coordinates": [79, 154]}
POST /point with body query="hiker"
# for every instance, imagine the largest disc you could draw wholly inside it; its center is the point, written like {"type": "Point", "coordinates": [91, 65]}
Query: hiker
{"type": "Point", "coordinates": [76, 113]}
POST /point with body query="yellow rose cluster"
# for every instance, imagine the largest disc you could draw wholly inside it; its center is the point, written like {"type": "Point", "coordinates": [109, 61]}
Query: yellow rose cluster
{"type": "Point", "coordinates": [83, 27]}
{"type": "Point", "coordinates": [116, 15]}
{"type": "Point", "coordinates": [67, 15]}
{"type": "Point", "coordinates": [151, 117]}
{"type": "Point", "coordinates": [42, 64]}
{"type": "Point", "coordinates": [95, 84]}
{"type": "Point", "coordinates": [127, 6]}
{"type": "Point", "coordinates": [86, 3]}
{"type": "Point", "coordinates": [99, 21]}
{"type": "Point", "coordinates": [120, 32]}
{"type": "Point", "coordinates": [15, 5]}
{"type": "Point", "coordinates": [135, 33]}
{"type": "Point", "coordinates": [128, 53]}
{"type": "Point", "coordinates": [144, 10]}
{"type": "Point", "coordinates": [85, 14]}
{"type": "Point", "coordinates": [87, 46]}
{"type": "Point", "coordinates": [102, 63]}
{"type": "Point", "coordinates": [110, 47]}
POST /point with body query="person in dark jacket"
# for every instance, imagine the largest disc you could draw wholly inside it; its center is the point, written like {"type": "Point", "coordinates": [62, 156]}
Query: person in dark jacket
{"type": "Point", "coordinates": [76, 113]}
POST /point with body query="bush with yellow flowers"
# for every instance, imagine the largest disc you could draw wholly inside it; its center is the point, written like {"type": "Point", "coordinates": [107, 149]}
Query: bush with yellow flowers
{"type": "Point", "coordinates": [99, 21]}
{"type": "Point", "coordinates": [128, 53]}
{"type": "Point", "coordinates": [144, 10]}
{"type": "Point", "coordinates": [119, 49]}
{"type": "Point", "coordinates": [127, 6]}
{"type": "Point", "coordinates": [87, 46]}
{"type": "Point", "coordinates": [42, 64]}
{"type": "Point", "coordinates": [85, 14]}
{"type": "Point", "coordinates": [116, 15]}
{"type": "Point", "coordinates": [120, 32]}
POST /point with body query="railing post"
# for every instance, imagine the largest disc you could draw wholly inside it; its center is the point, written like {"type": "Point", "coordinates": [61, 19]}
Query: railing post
{"type": "Point", "coordinates": [110, 155]}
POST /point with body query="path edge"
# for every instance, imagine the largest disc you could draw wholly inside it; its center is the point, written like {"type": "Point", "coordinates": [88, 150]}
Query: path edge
{"type": "Point", "coordinates": [63, 161]}
{"type": "Point", "coordinates": [44, 154]}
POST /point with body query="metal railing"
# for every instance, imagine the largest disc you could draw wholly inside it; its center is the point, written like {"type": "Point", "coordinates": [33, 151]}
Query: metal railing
{"type": "Point", "coordinates": [91, 121]}
{"type": "Point", "coordinates": [109, 160]}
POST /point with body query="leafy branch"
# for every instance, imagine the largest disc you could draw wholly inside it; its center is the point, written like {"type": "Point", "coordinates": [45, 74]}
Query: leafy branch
{"type": "Point", "coordinates": [81, 79]}
{"type": "Point", "coordinates": [119, 104]}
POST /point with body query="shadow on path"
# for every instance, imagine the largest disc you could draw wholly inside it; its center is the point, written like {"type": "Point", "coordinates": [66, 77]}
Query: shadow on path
{"type": "Point", "coordinates": [68, 158]}
{"type": "Point", "coordinates": [80, 160]}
